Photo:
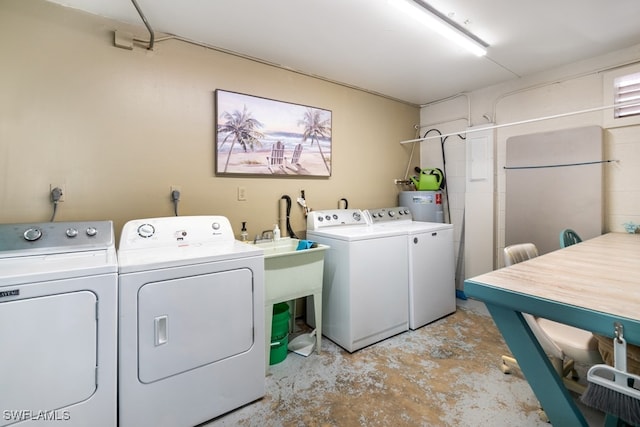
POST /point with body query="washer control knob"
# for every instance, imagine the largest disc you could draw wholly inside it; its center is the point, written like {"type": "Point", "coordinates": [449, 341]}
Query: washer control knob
{"type": "Point", "coordinates": [356, 216]}
{"type": "Point", "coordinates": [146, 230]}
{"type": "Point", "coordinates": [71, 232]}
{"type": "Point", "coordinates": [92, 231]}
{"type": "Point", "coordinates": [32, 234]}
{"type": "Point", "coordinates": [392, 214]}
{"type": "Point", "coordinates": [216, 226]}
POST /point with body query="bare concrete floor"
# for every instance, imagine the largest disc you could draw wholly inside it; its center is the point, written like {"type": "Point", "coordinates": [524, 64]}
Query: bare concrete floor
{"type": "Point", "coordinates": [444, 374]}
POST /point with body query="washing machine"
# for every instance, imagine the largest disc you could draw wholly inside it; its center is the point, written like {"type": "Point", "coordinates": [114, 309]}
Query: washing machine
{"type": "Point", "coordinates": [365, 294]}
{"type": "Point", "coordinates": [58, 324]}
{"type": "Point", "coordinates": [191, 321]}
{"type": "Point", "coordinates": [431, 263]}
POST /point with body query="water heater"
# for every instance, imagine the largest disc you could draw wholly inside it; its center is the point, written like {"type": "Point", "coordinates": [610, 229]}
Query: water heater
{"type": "Point", "coordinates": [424, 205]}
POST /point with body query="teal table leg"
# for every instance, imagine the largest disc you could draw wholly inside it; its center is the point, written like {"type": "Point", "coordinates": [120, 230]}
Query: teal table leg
{"type": "Point", "coordinates": [611, 421]}
{"type": "Point", "coordinates": [536, 367]}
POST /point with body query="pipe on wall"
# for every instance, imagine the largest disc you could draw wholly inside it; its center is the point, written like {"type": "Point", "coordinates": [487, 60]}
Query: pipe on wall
{"type": "Point", "coordinates": [152, 35]}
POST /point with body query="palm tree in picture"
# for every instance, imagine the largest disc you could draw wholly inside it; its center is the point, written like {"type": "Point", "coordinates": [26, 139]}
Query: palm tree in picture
{"type": "Point", "coordinates": [315, 127]}
{"type": "Point", "coordinates": [240, 128]}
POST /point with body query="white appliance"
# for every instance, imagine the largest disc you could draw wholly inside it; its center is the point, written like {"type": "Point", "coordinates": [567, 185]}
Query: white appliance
{"type": "Point", "coordinates": [364, 295]}
{"type": "Point", "coordinates": [431, 264]}
{"type": "Point", "coordinates": [58, 324]}
{"type": "Point", "coordinates": [191, 330]}
{"type": "Point", "coordinates": [424, 205]}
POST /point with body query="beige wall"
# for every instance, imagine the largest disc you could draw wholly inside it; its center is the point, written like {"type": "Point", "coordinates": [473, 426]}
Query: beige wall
{"type": "Point", "coordinates": [118, 128]}
{"type": "Point", "coordinates": [577, 87]}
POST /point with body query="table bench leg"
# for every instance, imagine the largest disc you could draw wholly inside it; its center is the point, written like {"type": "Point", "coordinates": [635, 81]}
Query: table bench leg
{"type": "Point", "coordinates": [536, 367]}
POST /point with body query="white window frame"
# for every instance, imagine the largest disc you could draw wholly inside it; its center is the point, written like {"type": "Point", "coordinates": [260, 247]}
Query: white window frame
{"type": "Point", "coordinates": [610, 93]}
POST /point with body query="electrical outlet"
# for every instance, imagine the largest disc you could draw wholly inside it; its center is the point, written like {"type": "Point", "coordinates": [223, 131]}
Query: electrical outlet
{"type": "Point", "coordinates": [242, 194]}
{"type": "Point", "coordinates": [178, 190]}
{"type": "Point", "coordinates": [63, 192]}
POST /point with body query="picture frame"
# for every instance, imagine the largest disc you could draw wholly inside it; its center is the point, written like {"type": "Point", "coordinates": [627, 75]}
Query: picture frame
{"type": "Point", "coordinates": [257, 136]}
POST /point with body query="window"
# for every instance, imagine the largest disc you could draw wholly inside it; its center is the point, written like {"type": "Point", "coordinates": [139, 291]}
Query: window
{"type": "Point", "coordinates": [622, 89]}
{"type": "Point", "coordinates": [627, 91]}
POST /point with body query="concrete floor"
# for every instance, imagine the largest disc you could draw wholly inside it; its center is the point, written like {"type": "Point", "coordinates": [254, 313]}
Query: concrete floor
{"type": "Point", "coordinates": [444, 374]}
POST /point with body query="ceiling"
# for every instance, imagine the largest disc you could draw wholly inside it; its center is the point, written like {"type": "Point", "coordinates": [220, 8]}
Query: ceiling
{"type": "Point", "coordinates": [370, 45]}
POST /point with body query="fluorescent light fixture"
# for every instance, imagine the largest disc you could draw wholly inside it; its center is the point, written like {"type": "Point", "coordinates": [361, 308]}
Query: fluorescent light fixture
{"type": "Point", "coordinates": [436, 21]}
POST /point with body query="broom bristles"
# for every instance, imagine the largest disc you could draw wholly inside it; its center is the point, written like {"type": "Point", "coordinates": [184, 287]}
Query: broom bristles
{"type": "Point", "coordinates": [612, 402]}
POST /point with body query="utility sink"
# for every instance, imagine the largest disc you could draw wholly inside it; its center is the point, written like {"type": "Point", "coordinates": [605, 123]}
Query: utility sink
{"type": "Point", "coordinates": [290, 274]}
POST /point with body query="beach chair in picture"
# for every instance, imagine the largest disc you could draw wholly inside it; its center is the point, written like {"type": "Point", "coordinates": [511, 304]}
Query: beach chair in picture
{"type": "Point", "coordinates": [276, 160]}
{"type": "Point", "coordinates": [294, 164]}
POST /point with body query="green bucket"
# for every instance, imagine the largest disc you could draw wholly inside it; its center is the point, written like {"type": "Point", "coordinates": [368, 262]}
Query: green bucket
{"type": "Point", "coordinates": [279, 333]}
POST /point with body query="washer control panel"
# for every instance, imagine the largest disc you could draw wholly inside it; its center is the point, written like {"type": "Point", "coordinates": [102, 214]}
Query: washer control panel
{"type": "Point", "coordinates": [399, 213]}
{"type": "Point", "coordinates": [336, 217]}
{"type": "Point", "coordinates": [55, 237]}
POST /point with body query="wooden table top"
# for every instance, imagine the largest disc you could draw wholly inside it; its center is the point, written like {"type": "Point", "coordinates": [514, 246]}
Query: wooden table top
{"type": "Point", "coordinates": [600, 274]}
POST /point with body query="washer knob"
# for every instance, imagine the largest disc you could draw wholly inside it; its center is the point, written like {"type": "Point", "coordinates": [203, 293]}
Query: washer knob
{"type": "Point", "coordinates": [32, 234]}
{"type": "Point", "coordinates": [146, 230]}
{"type": "Point", "coordinates": [71, 232]}
{"type": "Point", "coordinates": [92, 231]}
{"type": "Point", "coordinates": [216, 226]}
{"type": "Point", "coordinates": [392, 214]}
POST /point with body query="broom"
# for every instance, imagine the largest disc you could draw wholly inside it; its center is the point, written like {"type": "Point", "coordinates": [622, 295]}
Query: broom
{"type": "Point", "coordinates": [611, 389]}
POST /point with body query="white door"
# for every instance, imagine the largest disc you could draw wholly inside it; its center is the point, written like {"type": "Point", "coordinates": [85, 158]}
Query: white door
{"type": "Point", "coordinates": [48, 348]}
{"type": "Point", "coordinates": [186, 323]}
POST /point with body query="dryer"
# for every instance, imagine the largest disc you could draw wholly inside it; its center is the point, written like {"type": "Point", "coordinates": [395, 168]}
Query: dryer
{"type": "Point", "coordinates": [431, 263]}
{"type": "Point", "coordinates": [191, 330]}
{"type": "Point", "coordinates": [365, 294]}
{"type": "Point", "coordinates": [58, 324]}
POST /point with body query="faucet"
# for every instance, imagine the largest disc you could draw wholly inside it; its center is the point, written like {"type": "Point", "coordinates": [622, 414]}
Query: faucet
{"type": "Point", "coordinates": [265, 236]}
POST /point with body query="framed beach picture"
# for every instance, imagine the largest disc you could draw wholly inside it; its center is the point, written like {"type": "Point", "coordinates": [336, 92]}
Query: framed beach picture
{"type": "Point", "coordinates": [260, 136]}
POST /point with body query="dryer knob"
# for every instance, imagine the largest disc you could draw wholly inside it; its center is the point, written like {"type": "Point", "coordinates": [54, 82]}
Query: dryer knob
{"type": "Point", "coordinates": [92, 231]}
{"type": "Point", "coordinates": [32, 234]}
{"type": "Point", "coordinates": [72, 232]}
{"type": "Point", "coordinates": [392, 213]}
{"type": "Point", "coordinates": [216, 226]}
{"type": "Point", "coordinates": [146, 230]}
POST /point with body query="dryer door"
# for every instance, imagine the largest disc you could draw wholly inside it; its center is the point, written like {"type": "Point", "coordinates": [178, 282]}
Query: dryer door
{"type": "Point", "coordinates": [48, 355]}
{"type": "Point", "coordinates": [186, 323]}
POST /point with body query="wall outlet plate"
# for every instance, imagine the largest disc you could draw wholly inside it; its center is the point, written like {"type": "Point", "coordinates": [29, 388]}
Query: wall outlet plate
{"type": "Point", "coordinates": [61, 187]}
{"type": "Point", "coordinates": [242, 194]}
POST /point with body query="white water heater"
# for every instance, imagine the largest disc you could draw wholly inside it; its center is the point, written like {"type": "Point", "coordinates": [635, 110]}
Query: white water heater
{"type": "Point", "coordinates": [424, 205]}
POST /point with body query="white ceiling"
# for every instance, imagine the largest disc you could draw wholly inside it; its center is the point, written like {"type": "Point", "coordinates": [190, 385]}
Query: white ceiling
{"type": "Point", "coordinates": [370, 45]}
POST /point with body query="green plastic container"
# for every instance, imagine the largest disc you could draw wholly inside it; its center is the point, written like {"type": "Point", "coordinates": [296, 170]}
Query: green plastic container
{"type": "Point", "coordinates": [279, 333]}
{"type": "Point", "coordinates": [278, 351]}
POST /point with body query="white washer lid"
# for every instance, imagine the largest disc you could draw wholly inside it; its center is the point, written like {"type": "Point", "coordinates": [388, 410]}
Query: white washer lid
{"type": "Point", "coordinates": [356, 232]}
